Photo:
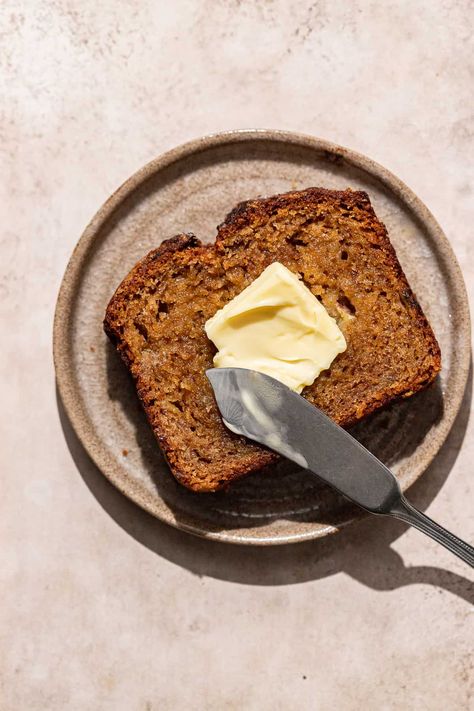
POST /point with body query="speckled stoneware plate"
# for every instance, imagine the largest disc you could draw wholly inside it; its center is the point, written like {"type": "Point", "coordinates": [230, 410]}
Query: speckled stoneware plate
{"type": "Point", "coordinates": [191, 189]}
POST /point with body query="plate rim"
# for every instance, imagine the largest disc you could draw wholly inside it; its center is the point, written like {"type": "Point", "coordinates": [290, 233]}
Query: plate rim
{"type": "Point", "coordinates": [62, 355]}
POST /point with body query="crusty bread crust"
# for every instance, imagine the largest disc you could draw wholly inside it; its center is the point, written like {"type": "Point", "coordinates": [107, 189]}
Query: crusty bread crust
{"type": "Point", "coordinates": [248, 240]}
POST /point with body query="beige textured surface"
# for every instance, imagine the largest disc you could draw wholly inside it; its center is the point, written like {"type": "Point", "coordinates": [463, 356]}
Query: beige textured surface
{"type": "Point", "coordinates": [108, 609]}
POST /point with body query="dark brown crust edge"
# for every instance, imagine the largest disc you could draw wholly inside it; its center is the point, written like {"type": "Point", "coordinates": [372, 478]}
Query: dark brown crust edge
{"type": "Point", "coordinates": [247, 210]}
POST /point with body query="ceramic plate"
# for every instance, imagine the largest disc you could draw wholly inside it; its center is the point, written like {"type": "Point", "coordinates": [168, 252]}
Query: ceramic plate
{"type": "Point", "coordinates": [191, 189]}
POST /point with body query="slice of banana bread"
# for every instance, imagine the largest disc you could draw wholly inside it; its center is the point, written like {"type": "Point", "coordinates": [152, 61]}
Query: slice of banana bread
{"type": "Point", "coordinates": [335, 242]}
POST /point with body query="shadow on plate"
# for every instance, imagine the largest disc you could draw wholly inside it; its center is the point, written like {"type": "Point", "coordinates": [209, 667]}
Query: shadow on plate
{"type": "Point", "coordinates": [362, 550]}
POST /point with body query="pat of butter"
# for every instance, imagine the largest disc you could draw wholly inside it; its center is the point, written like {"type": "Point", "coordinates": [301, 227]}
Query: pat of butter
{"type": "Point", "coordinates": [277, 327]}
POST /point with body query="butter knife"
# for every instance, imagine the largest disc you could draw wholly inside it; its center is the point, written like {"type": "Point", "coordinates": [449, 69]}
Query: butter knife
{"type": "Point", "coordinates": [266, 411]}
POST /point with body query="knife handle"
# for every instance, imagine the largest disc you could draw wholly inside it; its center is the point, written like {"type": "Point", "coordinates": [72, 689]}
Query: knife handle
{"type": "Point", "coordinates": [408, 513]}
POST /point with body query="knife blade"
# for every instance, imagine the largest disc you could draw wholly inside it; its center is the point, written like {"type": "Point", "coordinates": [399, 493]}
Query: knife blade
{"type": "Point", "coordinates": [267, 411]}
